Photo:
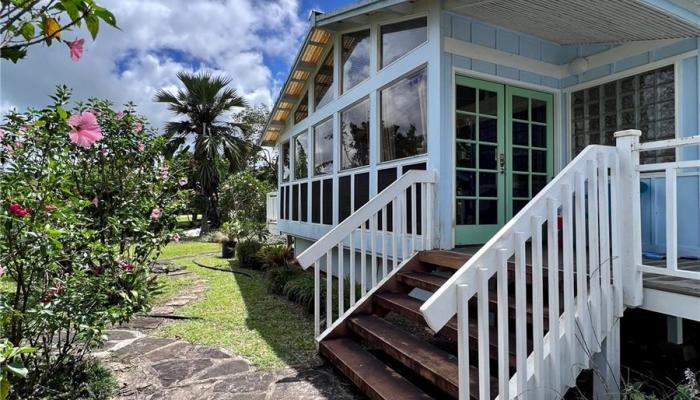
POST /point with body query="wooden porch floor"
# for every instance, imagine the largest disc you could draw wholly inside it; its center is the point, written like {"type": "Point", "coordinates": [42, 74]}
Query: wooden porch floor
{"type": "Point", "coordinates": [689, 287]}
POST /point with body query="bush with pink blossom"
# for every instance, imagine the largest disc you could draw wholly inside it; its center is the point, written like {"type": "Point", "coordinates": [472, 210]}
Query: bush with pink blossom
{"type": "Point", "coordinates": [84, 207]}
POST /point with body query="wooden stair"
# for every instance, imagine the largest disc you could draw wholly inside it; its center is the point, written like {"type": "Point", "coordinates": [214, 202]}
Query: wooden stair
{"type": "Point", "coordinates": [385, 348]}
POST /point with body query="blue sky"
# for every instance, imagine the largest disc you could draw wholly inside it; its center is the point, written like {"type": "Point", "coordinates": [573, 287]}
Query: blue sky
{"type": "Point", "coordinates": [251, 41]}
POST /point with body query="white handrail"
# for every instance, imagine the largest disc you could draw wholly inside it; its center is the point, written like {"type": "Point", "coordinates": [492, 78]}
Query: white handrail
{"type": "Point", "coordinates": [368, 227]}
{"type": "Point", "coordinates": [363, 214]}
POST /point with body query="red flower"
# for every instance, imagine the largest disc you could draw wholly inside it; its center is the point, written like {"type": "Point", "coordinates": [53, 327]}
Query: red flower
{"type": "Point", "coordinates": [126, 266]}
{"type": "Point", "coordinates": [18, 210]}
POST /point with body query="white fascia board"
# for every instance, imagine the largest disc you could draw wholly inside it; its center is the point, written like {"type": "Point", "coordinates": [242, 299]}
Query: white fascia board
{"type": "Point", "coordinates": [686, 10]}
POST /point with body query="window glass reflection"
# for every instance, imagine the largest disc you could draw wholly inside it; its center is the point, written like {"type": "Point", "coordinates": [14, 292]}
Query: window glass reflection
{"type": "Point", "coordinates": [355, 54]}
{"type": "Point", "coordinates": [354, 128]}
{"type": "Point", "coordinates": [301, 156]}
{"type": "Point", "coordinates": [400, 38]}
{"type": "Point", "coordinates": [403, 116]}
{"type": "Point", "coordinates": [323, 148]}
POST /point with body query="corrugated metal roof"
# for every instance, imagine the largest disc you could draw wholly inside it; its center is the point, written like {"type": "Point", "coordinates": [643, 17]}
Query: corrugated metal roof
{"type": "Point", "coordinates": [577, 21]}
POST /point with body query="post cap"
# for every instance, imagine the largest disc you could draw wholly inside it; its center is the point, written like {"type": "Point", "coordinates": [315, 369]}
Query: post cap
{"type": "Point", "coordinates": [628, 132]}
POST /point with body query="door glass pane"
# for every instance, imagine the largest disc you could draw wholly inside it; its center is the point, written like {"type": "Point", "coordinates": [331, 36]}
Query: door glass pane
{"type": "Point", "coordinates": [539, 161]}
{"type": "Point", "coordinates": [539, 111]}
{"type": "Point", "coordinates": [488, 102]}
{"type": "Point", "coordinates": [466, 99]}
{"type": "Point", "coordinates": [520, 185]}
{"type": "Point", "coordinates": [518, 205]}
{"type": "Point", "coordinates": [520, 159]}
{"type": "Point", "coordinates": [520, 133]}
{"type": "Point", "coordinates": [466, 126]}
{"type": "Point", "coordinates": [520, 108]}
{"type": "Point", "coordinates": [487, 156]}
{"type": "Point", "coordinates": [466, 183]}
{"type": "Point", "coordinates": [538, 182]}
{"type": "Point", "coordinates": [488, 212]}
{"type": "Point", "coordinates": [487, 184]}
{"type": "Point", "coordinates": [466, 212]}
{"type": "Point", "coordinates": [539, 135]}
{"type": "Point", "coordinates": [488, 129]}
{"type": "Point", "coordinates": [466, 155]}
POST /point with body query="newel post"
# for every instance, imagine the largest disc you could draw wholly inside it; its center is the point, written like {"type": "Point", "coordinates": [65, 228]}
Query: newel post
{"type": "Point", "coordinates": [629, 218]}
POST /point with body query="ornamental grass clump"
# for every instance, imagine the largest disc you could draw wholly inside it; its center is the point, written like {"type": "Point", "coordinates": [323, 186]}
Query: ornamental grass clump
{"type": "Point", "coordinates": [84, 207]}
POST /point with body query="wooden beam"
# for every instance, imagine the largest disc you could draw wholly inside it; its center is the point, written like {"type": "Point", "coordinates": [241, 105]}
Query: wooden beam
{"type": "Point", "coordinates": [306, 66]}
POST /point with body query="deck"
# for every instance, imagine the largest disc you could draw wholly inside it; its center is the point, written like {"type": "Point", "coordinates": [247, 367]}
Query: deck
{"type": "Point", "coordinates": [688, 287]}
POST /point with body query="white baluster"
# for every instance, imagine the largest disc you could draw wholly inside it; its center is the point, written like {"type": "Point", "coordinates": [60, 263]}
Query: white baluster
{"type": "Point", "coordinates": [463, 342]}
{"type": "Point", "coordinates": [568, 256]}
{"type": "Point", "coordinates": [394, 241]}
{"type": "Point", "coordinates": [553, 292]}
{"type": "Point", "coordinates": [594, 260]}
{"type": "Point", "coordinates": [341, 280]}
{"type": "Point", "coordinates": [329, 289]}
{"type": "Point", "coordinates": [414, 226]}
{"type": "Point", "coordinates": [483, 322]}
{"type": "Point", "coordinates": [671, 220]}
{"type": "Point", "coordinates": [581, 270]}
{"type": "Point", "coordinates": [520, 315]}
{"type": "Point", "coordinates": [423, 217]}
{"type": "Point", "coordinates": [317, 298]}
{"type": "Point", "coordinates": [373, 236]}
{"type": "Point", "coordinates": [353, 284]}
{"type": "Point", "coordinates": [503, 342]}
{"type": "Point", "coordinates": [363, 261]}
{"type": "Point", "coordinates": [616, 238]}
{"type": "Point", "coordinates": [404, 225]}
{"type": "Point", "coordinates": [384, 231]}
{"type": "Point", "coordinates": [603, 215]}
{"type": "Point", "coordinates": [537, 301]}
{"type": "Point", "coordinates": [429, 215]}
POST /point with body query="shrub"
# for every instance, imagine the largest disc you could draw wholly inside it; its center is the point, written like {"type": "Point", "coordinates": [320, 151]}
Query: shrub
{"type": "Point", "coordinates": [85, 204]}
{"type": "Point", "coordinates": [247, 253]}
{"type": "Point", "coordinates": [272, 256]}
{"type": "Point", "coordinates": [243, 197]}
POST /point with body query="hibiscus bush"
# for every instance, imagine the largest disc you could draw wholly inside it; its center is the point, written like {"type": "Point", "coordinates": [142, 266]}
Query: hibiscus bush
{"type": "Point", "coordinates": [85, 203]}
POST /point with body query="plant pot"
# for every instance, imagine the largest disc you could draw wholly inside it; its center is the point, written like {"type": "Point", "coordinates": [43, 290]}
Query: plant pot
{"type": "Point", "coordinates": [228, 249]}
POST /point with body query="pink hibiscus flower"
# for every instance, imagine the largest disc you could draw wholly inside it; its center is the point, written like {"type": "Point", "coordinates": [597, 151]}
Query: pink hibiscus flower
{"type": "Point", "coordinates": [176, 238]}
{"type": "Point", "coordinates": [156, 213]}
{"type": "Point", "coordinates": [142, 146]}
{"type": "Point", "coordinates": [3, 270]}
{"type": "Point", "coordinates": [164, 172]}
{"type": "Point", "coordinates": [2, 134]}
{"type": "Point", "coordinates": [183, 181]}
{"type": "Point", "coordinates": [76, 49]}
{"type": "Point", "coordinates": [85, 130]}
{"type": "Point", "coordinates": [120, 115]}
{"type": "Point", "coordinates": [138, 127]}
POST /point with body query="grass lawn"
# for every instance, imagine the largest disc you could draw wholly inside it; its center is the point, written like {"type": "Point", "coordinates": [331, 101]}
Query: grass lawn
{"type": "Point", "coordinates": [238, 314]}
{"type": "Point", "coordinates": [187, 248]}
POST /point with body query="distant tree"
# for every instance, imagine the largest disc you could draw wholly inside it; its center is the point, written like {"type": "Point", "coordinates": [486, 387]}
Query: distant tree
{"type": "Point", "coordinates": [26, 23]}
{"type": "Point", "coordinates": [261, 159]}
{"type": "Point", "coordinates": [203, 103]}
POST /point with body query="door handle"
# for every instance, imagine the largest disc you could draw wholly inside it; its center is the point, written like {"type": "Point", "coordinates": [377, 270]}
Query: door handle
{"type": "Point", "coordinates": [502, 163]}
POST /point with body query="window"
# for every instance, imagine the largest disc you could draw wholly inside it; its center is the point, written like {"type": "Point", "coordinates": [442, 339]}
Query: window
{"type": "Point", "coordinates": [323, 148]}
{"type": "Point", "coordinates": [284, 156]}
{"type": "Point", "coordinates": [301, 156]}
{"type": "Point", "coordinates": [402, 37]}
{"type": "Point", "coordinates": [355, 56]}
{"type": "Point", "coordinates": [644, 102]}
{"type": "Point", "coordinates": [403, 115]}
{"type": "Point", "coordinates": [354, 128]}
{"type": "Point", "coordinates": [323, 82]}
{"type": "Point", "coordinates": [302, 109]}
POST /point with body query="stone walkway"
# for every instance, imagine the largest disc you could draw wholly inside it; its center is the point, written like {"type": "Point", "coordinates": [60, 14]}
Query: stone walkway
{"type": "Point", "coordinates": [153, 368]}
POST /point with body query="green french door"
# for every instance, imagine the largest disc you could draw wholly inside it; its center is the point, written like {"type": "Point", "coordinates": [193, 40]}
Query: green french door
{"type": "Point", "coordinates": [503, 154]}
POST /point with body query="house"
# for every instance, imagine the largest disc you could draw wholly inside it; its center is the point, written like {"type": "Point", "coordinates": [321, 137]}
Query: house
{"type": "Point", "coordinates": [514, 174]}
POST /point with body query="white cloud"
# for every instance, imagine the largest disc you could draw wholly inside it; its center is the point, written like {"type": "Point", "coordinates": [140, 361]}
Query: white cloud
{"type": "Point", "coordinates": [157, 39]}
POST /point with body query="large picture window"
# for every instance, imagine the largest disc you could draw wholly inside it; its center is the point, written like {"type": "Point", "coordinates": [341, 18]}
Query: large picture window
{"type": "Point", "coordinates": [302, 110]}
{"type": "Point", "coordinates": [400, 38]}
{"type": "Point", "coordinates": [284, 157]}
{"type": "Point", "coordinates": [644, 101]}
{"type": "Point", "coordinates": [301, 156]}
{"type": "Point", "coordinates": [355, 54]}
{"type": "Point", "coordinates": [354, 128]}
{"type": "Point", "coordinates": [403, 115]}
{"type": "Point", "coordinates": [323, 148]}
{"type": "Point", "coordinates": [323, 82]}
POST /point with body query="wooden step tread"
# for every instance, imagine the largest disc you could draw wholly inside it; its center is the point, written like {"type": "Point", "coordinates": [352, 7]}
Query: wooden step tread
{"type": "Point", "coordinates": [422, 280]}
{"type": "Point", "coordinates": [436, 365]}
{"type": "Point", "coordinates": [443, 258]}
{"type": "Point", "coordinates": [377, 380]}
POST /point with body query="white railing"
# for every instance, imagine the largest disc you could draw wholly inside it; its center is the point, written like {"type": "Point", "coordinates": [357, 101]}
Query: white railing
{"type": "Point", "coordinates": [366, 234]}
{"type": "Point", "coordinates": [273, 212]}
{"type": "Point", "coordinates": [586, 198]}
{"type": "Point", "coordinates": [670, 171]}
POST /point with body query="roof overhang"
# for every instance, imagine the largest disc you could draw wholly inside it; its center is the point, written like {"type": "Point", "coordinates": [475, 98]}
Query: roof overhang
{"type": "Point", "coordinates": [588, 21]}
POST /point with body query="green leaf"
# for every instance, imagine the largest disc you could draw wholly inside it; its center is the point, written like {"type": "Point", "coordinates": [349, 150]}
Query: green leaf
{"type": "Point", "coordinates": [17, 368]}
{"type": "Point", "coordinates": [62, 113]}
{"type": "Point", "coordinates": [28, 30]}
{"type": "Point", "coordinates": [72, 9]}
{"type": "Point", "coordinates": [93, 25]}
{"type": "Point", "coordinates": [106, 16]}
{"type": "Point", "coordinates": [4, 388]}
{"type": "Point", "coordinates": [13, 53]}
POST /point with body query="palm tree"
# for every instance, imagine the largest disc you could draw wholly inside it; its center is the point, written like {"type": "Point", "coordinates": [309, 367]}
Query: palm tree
{"type": "Point", "coordinates": [204, 102]}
